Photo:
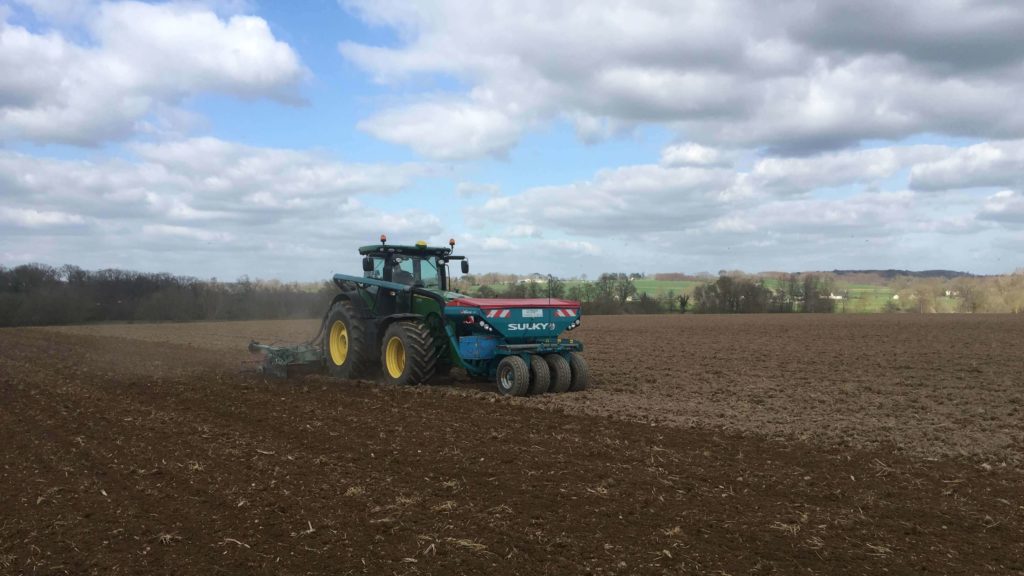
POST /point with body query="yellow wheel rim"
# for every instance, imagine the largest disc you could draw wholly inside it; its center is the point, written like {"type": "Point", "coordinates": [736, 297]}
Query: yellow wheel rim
{"type": "Point", "coordinates": [394, 357]}
{"type": "Point", "coordinates": [339, 343]}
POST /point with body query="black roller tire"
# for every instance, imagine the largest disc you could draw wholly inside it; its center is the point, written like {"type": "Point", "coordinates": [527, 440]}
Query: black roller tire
{"type": "Point", "coordinates": [540, 375]}
{"type": "Point", "coordinates": [346, 352]}
{"type": "Point", "coordinates": [561, 374]}
{"type": "Point", "coordinates": [580, 372]}
{"type": "Point", "coordinates": [513, 376]}
{"type": "Point", "coordinates": [407, 353]}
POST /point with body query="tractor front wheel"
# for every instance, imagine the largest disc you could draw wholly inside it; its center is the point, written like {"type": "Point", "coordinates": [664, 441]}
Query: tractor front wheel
{"type": "Point", "coordinates": [513, 376]}
{"type": "Point", "coordinates": [407, 353]}
{"type": "Point", "coordinates": [345, 349]}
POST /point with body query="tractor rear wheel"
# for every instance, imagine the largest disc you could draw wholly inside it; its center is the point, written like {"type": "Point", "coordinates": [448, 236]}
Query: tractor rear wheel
{"type": "Point", "coordinates": [513, 376]}
{"type": "Point", "coordinates": [540, 375]}
{"type": "Point", "coordinates": [561, 374]}
{"type": "Point", "coordinates": [580, 372]}
{"type": "Point", "coordinates": [407, 353]}
{"type": "Point", "coordinates": [346, 351]}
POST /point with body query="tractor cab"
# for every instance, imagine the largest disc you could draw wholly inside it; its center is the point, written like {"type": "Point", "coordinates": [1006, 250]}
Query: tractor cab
{"type": "Point", "coordinates": [420, 266]}
{"type": "Point", "coordinates": [410, 270]}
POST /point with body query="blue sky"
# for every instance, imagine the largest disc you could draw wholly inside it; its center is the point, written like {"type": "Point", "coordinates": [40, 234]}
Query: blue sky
{"type": "Point", "coordinates": [270, 139]}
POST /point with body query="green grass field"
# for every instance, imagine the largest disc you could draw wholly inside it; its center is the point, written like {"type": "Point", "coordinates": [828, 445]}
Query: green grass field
{"type": "Point", "coordinates": [661, 288]}
{"type": "Point", "coordinates": [863, 298]}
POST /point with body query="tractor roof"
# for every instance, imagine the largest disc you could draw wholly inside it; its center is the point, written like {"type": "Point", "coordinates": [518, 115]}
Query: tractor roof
{"type": "Point", "coordinates": [418, 250]}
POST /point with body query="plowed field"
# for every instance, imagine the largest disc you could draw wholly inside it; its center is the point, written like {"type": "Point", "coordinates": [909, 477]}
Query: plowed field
{"type": "Point", "coordinates": [734, 445]}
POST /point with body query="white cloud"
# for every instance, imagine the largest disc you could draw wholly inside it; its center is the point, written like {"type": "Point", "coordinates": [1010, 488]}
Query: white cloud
{"type": "Point", "coordinates": [142, 58]}
{"type": "Point", "coordinates": [525, 231]}
{"type": "Point", "coordinates": [216, 166]}
{"type": "Point", "coordinates": [867, 166]}
{"type": "Point", "coordinates": [492, 244]}
{"type": "Point", "coordinates": [871, 212]}
{"type": "Point", "coordinates": [989, 164]}
{"type": "Point", "coordinates": [211, 207]}
{"type": "Point", "coordinates": [529, 254]}
{"type": "Point", "coordinates": [199, 179]}
{"type": "Point", "coordinates": [639, 200]}
{"type": "Point", "coordinates": [948, 35]}
{"type": "Point", "coordinates": [288, 211]}
{"type": "Point", "coordinates": [571, 247]}
{"type": "Point", "coordinates": [836, 209]}
{"type": "Point", "coordinates": [593, 129]}
{"type": "Point", "coordinates": [168, 231]}
{"type": "Point", "coordinates": [448, 130]}
{"type": "Point", "coordinates": [692, 154]}
{"type": "Point", "coordinates": [616, 201]}
{"type": "Point", "coordinates": [1005, 206]}
{"type": "Point", "coordinates": [30, 218]}
{"type": "Point", "coordinates": [798, 78]}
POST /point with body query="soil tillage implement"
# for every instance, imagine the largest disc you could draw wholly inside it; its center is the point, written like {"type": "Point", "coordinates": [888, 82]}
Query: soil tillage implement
{"type": "Point", "coordinates": [401, 318]}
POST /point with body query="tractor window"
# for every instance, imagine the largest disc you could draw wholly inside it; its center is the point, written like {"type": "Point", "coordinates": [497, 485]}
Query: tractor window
{"type": "Point", "coordinates": [428, 274]}
{"type": "Point", "coordinates": [378, 269]}
{"type": "Point", "coordinates": [415, 271]}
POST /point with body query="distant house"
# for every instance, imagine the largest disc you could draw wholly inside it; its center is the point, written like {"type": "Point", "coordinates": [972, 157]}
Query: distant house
{"type": "Point", "coordinates": [533, 279]}
{"type": "Point", "coordinates": [832, 296]}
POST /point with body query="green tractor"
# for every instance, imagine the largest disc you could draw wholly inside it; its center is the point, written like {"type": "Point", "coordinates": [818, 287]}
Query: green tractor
{"type": "Point", "coordinates": [402, 318]}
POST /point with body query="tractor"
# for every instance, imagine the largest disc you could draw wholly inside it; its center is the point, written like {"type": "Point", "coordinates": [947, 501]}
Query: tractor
{"type": "Point", "coordinates": [402, 318]}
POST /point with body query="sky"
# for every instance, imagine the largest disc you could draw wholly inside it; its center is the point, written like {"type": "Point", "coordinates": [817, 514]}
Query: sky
{"type": "Point", "coordinates": [224, 138]}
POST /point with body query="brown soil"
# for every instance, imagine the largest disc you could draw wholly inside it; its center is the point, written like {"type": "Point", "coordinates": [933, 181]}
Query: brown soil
{"type": "Point", "coordinates": [932, 385]}
{"type": "Point", "coordinates": [831, 445]}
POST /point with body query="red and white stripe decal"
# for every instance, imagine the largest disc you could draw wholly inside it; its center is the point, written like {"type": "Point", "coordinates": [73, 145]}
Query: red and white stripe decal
{"type": "Point", "coordinates": [565, 313]}
{"type": "Point", "coordinates": [498, 313]}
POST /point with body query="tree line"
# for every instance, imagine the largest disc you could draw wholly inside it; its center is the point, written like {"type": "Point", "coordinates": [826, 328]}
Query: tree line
{"type": "Point", "coordinates": [610, 293]}
{"type": "Point", "coordinates": [37, 294]}
{"type": "Point", "coordinates": [779, 292]}
{"type": "Point", "coordinates": [743, 294]}
{"type": "Point", "coordinates": [731, 292]}
{"type": "Point", "coordinates": [971, 294]}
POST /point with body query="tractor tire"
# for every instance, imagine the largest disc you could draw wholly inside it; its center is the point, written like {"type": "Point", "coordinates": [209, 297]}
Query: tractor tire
{"type": "Point", "coordinates": [540, 375]}
{"type": "Point", "coordinates": [407, 353]}
{"type": "Point", "coordinates": [513, 376]}
{"type": "Point", "coordinates": [346, 351]}
{"type": "Point", "coordinates": [561, 374]}
{"type": "Point", "coordinates": [580, 372]}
